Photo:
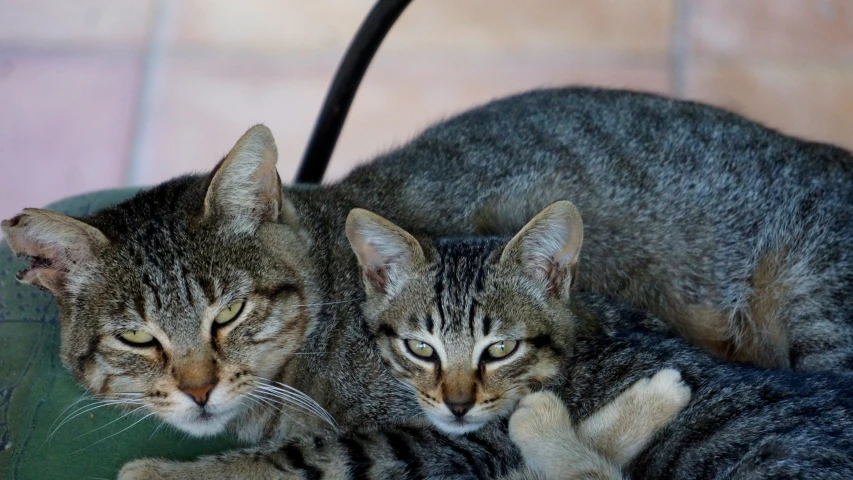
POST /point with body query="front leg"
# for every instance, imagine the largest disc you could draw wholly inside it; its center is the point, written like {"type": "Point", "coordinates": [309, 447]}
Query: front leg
{"type": "Point", "coordinates": [413, 451]}
{"type": "Point", "coordinates": [599, 446]}
{"type": "Point", "coordinates": [625, 426]}
{"type": "Point", "coordinates": [262, 464]}
{"type": "Point", "coordinates": [551, 447]}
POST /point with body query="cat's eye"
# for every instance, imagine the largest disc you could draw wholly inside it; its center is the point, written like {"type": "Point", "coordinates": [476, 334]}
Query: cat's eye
{"type": "Point", "coordinates": [138, 338]}
{"type": "Point", "coordinates": [420, 349]}
{"type": "Point", "coordinates": [229, 313]}
{"type": "Point", "coordinates": [501, 349]}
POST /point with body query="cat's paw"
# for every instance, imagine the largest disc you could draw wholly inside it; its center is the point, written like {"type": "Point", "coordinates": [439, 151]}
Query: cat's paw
{"type": "Point", "coordinates": [159, 469]}
{"type": "Point", "coordinates": [662, 396]}
{"type": "Point", "coordinates": [145, 469]}
{"type": "Point", "coordinates": [205, 468]}
{"type": "Point", "coordinates": [542, 430]}
{"type": "Point", "coordinates": [537, 419]}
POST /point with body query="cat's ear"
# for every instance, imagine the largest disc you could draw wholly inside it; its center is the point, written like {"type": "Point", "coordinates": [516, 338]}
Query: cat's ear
{"type": "Point", "coordinates": [547, 248]}
{"type": "Point", "coordinates": [245, 189]}
{"type": "Point", "coordinates": [387, 254]}
{"type": "Point", "coordinates": [57, 245]}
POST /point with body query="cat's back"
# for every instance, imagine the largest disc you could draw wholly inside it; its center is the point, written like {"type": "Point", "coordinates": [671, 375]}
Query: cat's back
{"type": "Point", "coordinates": [607, 132]}
{"type": "Point", "coordinates": [624, 156]}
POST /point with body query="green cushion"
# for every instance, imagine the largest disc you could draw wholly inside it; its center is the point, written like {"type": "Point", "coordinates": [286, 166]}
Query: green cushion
{"type": "Point", "coordinates": [35, 390]}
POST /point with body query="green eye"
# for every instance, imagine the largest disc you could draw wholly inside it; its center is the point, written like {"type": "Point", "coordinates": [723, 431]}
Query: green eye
{"type": "Point", "coordinates": [420, 349]}
{"type": "Point", "coordinates": [137, 337]}
{"type": "Point", "coordinates": [230, 312]}
{"type": "Point", "coordinates": [502, 349]}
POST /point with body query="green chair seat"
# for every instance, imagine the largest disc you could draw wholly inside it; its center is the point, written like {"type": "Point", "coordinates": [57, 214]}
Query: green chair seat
{"type": "Point", "coordinates": [37, 392]}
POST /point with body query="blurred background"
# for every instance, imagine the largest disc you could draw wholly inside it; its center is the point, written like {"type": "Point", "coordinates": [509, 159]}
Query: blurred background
{"type": "Point", "coordinates": [107, 93]}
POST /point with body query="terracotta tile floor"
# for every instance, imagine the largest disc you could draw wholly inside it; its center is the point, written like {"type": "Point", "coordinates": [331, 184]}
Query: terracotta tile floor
{"type": "Point", "coordinates": [105, 93]}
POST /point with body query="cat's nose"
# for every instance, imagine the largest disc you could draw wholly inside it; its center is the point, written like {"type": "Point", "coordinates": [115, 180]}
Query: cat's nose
{"type": "Point", "coordinates": [459, 409]}
{"type": "Point", "coordinates": [200, 394]}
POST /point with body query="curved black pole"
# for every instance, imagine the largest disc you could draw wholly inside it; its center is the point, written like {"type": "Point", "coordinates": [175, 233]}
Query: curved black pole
{"type": "Point", "coordinates": [342, 91]}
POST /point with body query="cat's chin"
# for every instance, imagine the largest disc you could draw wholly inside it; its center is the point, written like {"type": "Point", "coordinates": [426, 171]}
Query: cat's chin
{"type": "Point", "coordinates": [455, 426]}
{"type": "Point", "coordinates": [201, 423]}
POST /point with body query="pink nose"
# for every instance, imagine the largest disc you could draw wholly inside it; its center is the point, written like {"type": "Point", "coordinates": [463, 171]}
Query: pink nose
{"type": "Point", "coordinates": [199, 394]}
{"type": "Point", "coordinates": [459, 409]}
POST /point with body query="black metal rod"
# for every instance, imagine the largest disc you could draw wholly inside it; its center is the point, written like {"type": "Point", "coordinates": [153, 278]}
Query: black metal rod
{"type": "Point", "coordinates": [342, 91]}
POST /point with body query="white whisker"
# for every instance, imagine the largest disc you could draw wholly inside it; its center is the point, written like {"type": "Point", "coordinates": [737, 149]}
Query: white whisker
{"type": "Point", "coordinates": [88, 408]}
{"type": "Point", "coordinates": [85, 396]}
{"type": "Point", "coordinates": [155, 430]}
{"type": "Point", "coordinates": [255, 402]}
{"type": "Point", "coordinates": [113, 435]}
{"type": "Point", "coordinates": [300, 398]}
{"type": "Point", "coordinates": [249, 405]}
{"type": "Point", "coordinates": [112, 422]}
{"type": "Point", "coordinates": [291, 402]}
{"type": "Point", "coordinates": [269, 403]}
{"type": "Point", "coordinates": [309, 399]}
{"type": "Point", "coordinates": [88, 396]}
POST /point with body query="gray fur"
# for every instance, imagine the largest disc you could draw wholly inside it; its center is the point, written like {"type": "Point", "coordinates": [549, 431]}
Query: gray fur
{"type": "Point", "coordinates": [737, 235]}
{"type": "Point", "coordinates": [741, 422]}
{"type": "Point", "coordinates": [682, 203]}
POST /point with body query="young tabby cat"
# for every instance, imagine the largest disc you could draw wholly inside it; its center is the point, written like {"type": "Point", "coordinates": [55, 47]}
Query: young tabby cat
{"type": "Point", "coordinates": [470, 325]}
{"type": "Point", "coordinates": [211, 292]}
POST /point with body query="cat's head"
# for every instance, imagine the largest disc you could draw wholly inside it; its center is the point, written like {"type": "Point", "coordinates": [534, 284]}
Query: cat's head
{"type": "Point", "coordinates": [470, 325]}
{"type": "Point", "coordinates": [180, 298]}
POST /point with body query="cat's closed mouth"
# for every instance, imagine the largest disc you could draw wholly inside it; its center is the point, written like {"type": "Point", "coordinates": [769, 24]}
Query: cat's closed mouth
{"type": "Point", "coordinates": [456, 426]}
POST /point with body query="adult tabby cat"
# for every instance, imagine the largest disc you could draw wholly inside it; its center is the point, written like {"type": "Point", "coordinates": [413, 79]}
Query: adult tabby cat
{"type": "Point", "coordinates": [205, 290]}
{"type": "Point", "coordinates": [475, 323]}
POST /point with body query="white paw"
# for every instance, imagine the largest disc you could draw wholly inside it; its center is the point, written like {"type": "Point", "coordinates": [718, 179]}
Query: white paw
{"type": "Point", "coordinates": [542, 429]}
{"type": "Point", "coordinates": [664, 391]}
{"type": "Point", "coordinates": [536, 420]}
{"type": "Point", "coordinates": [144, 469]}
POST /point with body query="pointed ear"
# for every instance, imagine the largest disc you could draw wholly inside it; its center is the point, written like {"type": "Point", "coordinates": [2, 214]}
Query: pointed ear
{"type": "Point", "coordinates": [547, 248]}
{"type": "Point", "coordinates": [386, 253]}
{"type": "Point", "coordinates": [57, 245]}
{"type": "Point", "coordinates": [245, 189]}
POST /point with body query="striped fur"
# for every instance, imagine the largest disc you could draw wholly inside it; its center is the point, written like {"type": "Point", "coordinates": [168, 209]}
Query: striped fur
{"type": "Point", "coordinates": [693, 213]}
{"type": "Point", "coordinates": [741, 422]}
{"type": "Point", "coordinates": [411, 452]}
{"type": "Point", "coordinates": [447, 298]}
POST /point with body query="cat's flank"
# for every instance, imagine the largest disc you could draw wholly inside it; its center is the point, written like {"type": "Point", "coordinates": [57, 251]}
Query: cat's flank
{"type": "Point", "coordinates": [208, 298]}
{"type": "Point", "coordinates": [480, 322]}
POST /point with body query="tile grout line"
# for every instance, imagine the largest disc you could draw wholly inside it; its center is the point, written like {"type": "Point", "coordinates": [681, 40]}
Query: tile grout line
{"type": "Point", "coordinates": [678, 48]}
{"type": "Point", "coordinates": [152, 69]}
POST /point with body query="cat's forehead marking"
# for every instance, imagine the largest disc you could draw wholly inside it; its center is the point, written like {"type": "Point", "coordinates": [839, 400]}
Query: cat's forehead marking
{"type": "Point", "coordinates": [170, 287]}
{"type": "Point", "coordinates": [460, 321]}
{"type": "Point", "coordinates": [183, 300]}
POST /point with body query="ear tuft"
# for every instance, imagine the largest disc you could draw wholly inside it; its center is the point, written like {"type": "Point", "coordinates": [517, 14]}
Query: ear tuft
{"type": "Point", "coordinates": [56, 244]}
{"type": "Point", "coordinates": [245, 189]}
{"type": "Point", "coordinates": [386, 253]}
{"type": "Point", "coordinates": [547, 248]}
